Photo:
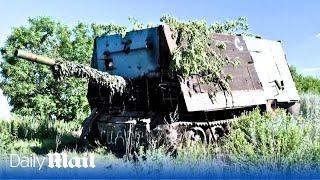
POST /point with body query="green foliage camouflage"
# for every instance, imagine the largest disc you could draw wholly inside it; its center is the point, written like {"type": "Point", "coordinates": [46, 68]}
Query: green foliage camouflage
{"type": "Point", "coordinates": [114, 84]}
{"type": "Point", "coordinates": [276, 139]}
{"type": "Point", "coordinates": [197, 54]}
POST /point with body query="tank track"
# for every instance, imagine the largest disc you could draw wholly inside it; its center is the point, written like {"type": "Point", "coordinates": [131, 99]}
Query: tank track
{"type": "Point", "coordinates": [174, 132]}
{"type": "Point", "coordinates": [189, 132]}
{"type": "Point", "coordinates": [202, 124]}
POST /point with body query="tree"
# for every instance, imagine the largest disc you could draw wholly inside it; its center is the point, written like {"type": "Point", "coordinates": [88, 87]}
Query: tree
{"type": "Point", "coordinates": [31, 88]}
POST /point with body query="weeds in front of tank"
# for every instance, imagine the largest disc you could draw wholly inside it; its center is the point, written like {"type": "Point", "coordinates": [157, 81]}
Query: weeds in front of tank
{"type": "Point", "coordinates": [272, 140]}
{"type": "Point", "coordinates": [263, 142]}
{"type": "Point", "coordinates": [28, 135]}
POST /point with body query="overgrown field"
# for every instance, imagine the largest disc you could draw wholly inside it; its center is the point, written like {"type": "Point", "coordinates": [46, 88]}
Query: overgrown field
{"type": "Point", "coordinates": [256, 140]}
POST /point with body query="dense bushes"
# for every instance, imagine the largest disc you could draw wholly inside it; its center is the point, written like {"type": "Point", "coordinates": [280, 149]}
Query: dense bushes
{"type": "Point", "coordinates": [277, 139]}
{"type": "Point", "coordinates": [305, 83]}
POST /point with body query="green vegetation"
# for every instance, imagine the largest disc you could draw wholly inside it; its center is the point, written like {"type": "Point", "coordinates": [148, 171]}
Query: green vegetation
{"type": "Point", "coordinates": [26, 135]}
{"type": "Point", "coordinates": [267, 142]}
{"type": "Point", "coordinates": [198, 54]}
{"type": "Point", "coordinates": [305, 83]}
{"type": "Point", "coordinates": [274, 139]}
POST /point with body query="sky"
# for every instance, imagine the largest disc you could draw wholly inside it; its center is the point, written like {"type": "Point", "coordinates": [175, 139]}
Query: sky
{"type": "Point", "coordinates": [295, 23]}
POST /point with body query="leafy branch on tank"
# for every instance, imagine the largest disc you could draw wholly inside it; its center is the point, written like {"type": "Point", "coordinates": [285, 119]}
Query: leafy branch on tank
{"type": "Point", "coordinates": [196, 55]}
{"type": "Point", "coordinates": [115, 84]}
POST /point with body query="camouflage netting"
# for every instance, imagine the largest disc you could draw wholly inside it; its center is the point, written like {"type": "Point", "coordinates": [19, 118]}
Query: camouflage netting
{"type": "Point", "coordinates": [115, 84]}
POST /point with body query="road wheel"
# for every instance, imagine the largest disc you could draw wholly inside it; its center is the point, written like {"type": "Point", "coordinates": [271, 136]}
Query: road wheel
{"type": "Point", "coordinates": [215, 133]}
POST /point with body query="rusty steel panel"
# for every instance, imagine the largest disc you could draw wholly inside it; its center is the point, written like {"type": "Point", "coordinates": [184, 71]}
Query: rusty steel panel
{"type": "Point", "coordinates": [245, 85]}
{"type": "Point", "coordinates": [244, 75]}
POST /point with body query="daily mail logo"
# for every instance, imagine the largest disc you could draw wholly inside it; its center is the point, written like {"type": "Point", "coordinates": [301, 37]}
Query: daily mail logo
{"type": "Point", "coordinates": [53, 160]}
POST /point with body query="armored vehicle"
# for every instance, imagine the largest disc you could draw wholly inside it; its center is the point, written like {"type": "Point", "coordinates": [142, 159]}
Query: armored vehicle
{"type": "Point", "coordinates": [157, 106]}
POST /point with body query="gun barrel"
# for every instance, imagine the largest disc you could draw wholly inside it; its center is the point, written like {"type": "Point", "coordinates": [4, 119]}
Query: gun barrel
{"type": "Point", "coordinates": [34, 58]}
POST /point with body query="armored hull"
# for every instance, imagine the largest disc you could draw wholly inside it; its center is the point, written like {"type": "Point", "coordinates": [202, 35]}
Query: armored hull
{"type": "Point", "coordinates": [156, 99]}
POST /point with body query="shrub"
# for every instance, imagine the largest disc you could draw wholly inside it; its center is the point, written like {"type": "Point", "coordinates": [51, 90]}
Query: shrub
{"type": "Point", "coordinates": [274, 139]}
{"type": "Point", "coordinates": [305, 83]}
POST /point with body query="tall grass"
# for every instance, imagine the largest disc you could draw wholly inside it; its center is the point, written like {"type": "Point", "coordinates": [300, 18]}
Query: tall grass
{"type": "Point", "coordinates": [310, 106]}
{"type": "Point", "coordinates": [25, 135]}
{"type": "Point", "coordinates": [268, 143]}
{"type": "Point", "coordinates": [277, 139]}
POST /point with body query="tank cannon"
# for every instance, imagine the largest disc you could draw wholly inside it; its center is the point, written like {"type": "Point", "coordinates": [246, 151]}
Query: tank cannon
{"type": "Point", "coordinates": [60, 69]}
{"type": "Point", "coordinates": [34, 58]}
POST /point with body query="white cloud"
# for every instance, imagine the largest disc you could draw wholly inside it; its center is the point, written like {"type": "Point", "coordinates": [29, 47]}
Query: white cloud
{"type": "Point", "coordinates": [318, 35]}
{"type": "Point", "coordinates": [4, 107]}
